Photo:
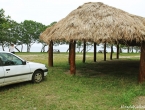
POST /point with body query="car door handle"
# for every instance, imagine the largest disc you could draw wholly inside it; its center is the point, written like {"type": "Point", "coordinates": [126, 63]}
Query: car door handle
{"type": "Point", "coordinates": [7, 69]}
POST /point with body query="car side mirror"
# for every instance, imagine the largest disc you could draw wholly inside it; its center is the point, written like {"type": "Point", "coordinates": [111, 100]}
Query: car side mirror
{"type": "Point", "coordinates": [24, 62]}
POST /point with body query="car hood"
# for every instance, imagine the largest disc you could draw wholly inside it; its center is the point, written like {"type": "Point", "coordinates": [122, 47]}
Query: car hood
{"type": "Point", "coordinates": [35, 64]}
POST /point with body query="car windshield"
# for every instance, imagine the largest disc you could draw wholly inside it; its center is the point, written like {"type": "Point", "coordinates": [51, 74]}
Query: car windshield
{"type": "Point", "coordinates": [9, 59]}
{"type": "Point", "coordinates": [2, 56]}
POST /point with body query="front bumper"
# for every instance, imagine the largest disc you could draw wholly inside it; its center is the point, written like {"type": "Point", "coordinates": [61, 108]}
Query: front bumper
{"type": "Point", "coordinates": [45, 72]}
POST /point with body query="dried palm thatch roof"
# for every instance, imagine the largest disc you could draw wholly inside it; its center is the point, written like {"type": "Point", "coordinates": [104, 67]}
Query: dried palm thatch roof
{"type": "Point", "coordinates": [97, 22]}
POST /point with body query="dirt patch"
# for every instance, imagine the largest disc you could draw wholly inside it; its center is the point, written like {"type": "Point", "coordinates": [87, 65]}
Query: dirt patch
{"type": "Point", "coordinates": [28, 57]}
{"type": "Point", "coordinates": [129, 56]}
{"type": "Point", "coordinates": [90, 73]}
{"type": "Point", "coordinates": [77, 73]}
{"type": "Point", "coordinates": [49, 96]}
{"type": "Point", "coordinates": [82, 56]}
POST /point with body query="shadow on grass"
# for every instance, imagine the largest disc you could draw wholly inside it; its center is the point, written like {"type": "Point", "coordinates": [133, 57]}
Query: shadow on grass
{"type": "Point", "coordinates": [117, 68]}
{"type": "Point", "coordinates": [19, 85]}
{"type": "Point", "coordinates": [16, 85]}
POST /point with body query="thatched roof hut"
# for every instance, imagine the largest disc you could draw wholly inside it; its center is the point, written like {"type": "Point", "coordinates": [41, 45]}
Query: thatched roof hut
{"type": "Point", "coordinates": [98, 23]}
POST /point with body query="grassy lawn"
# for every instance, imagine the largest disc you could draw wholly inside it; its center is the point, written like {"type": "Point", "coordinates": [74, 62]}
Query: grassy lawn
{"type": "Point", "coordinates": [103, 85]}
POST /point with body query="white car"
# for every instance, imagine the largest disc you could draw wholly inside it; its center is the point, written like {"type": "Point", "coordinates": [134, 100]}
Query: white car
{"type": "Point", "coordinates": [14, 69]}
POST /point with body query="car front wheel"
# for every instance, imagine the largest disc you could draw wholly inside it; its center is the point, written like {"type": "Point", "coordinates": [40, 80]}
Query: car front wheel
{"type": "Point", "coordinates": [37, 76]}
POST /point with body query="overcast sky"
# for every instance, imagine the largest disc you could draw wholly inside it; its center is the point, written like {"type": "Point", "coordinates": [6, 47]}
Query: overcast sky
{"type": "Point", "coordinates": [48, 11]}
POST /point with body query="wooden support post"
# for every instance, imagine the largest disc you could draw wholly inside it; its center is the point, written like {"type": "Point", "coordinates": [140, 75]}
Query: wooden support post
{"type": "Point", "coordinates": [117, 54]}
{"type": "Point", "coordinates": [141, 77]}
{"type": "Point", "coordinates": [84, 52]}
{"type": "Point", "coordinates": [128, 49]}
{"type": "Point", "coordinates": [50, 64]}
{"type": "Point", "coordinates": [95, 52]}
{"type": "Point", "coordinates": [69, 53]}
{"type": "Point", "coordinates": [111, 54]}
{"type": "Point", "coordinates": [72, 58]}
{"type": "Point", "coordinates": [105, 51]}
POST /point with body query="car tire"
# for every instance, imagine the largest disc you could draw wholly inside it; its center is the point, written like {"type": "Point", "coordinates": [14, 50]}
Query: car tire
{"type": "Point", "coordinates": [37, 76]}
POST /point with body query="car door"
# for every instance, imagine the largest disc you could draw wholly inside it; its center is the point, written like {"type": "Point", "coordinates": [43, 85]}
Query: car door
{"type": "Point", "coordinates": [1, 75]}
{"type": "Point", "coordinates": [15, 70]}
{"type": "Point", "coordinates": [1, 71]}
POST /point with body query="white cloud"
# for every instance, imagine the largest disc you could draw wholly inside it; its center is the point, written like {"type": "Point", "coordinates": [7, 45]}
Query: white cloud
{"type": "Point", "coordinates": [48, 11]}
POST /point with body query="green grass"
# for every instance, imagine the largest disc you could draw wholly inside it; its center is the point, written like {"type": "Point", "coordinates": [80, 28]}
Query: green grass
{"type": "Point", "coordinates": [104, 85]}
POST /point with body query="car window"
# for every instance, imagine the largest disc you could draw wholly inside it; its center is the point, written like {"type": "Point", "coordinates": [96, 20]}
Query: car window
{"type": "Point", "coordinates": [9, 59]}
{"type": "Point", "coordinates": [1, 62]}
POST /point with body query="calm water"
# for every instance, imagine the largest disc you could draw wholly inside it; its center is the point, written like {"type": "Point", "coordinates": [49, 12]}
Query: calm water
{"type": "Point", "coordinates": [62, 48]}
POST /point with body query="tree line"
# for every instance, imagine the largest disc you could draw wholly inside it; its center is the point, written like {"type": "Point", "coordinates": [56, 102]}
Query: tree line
{"type": "Point", "coordinates": [24, 33]}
